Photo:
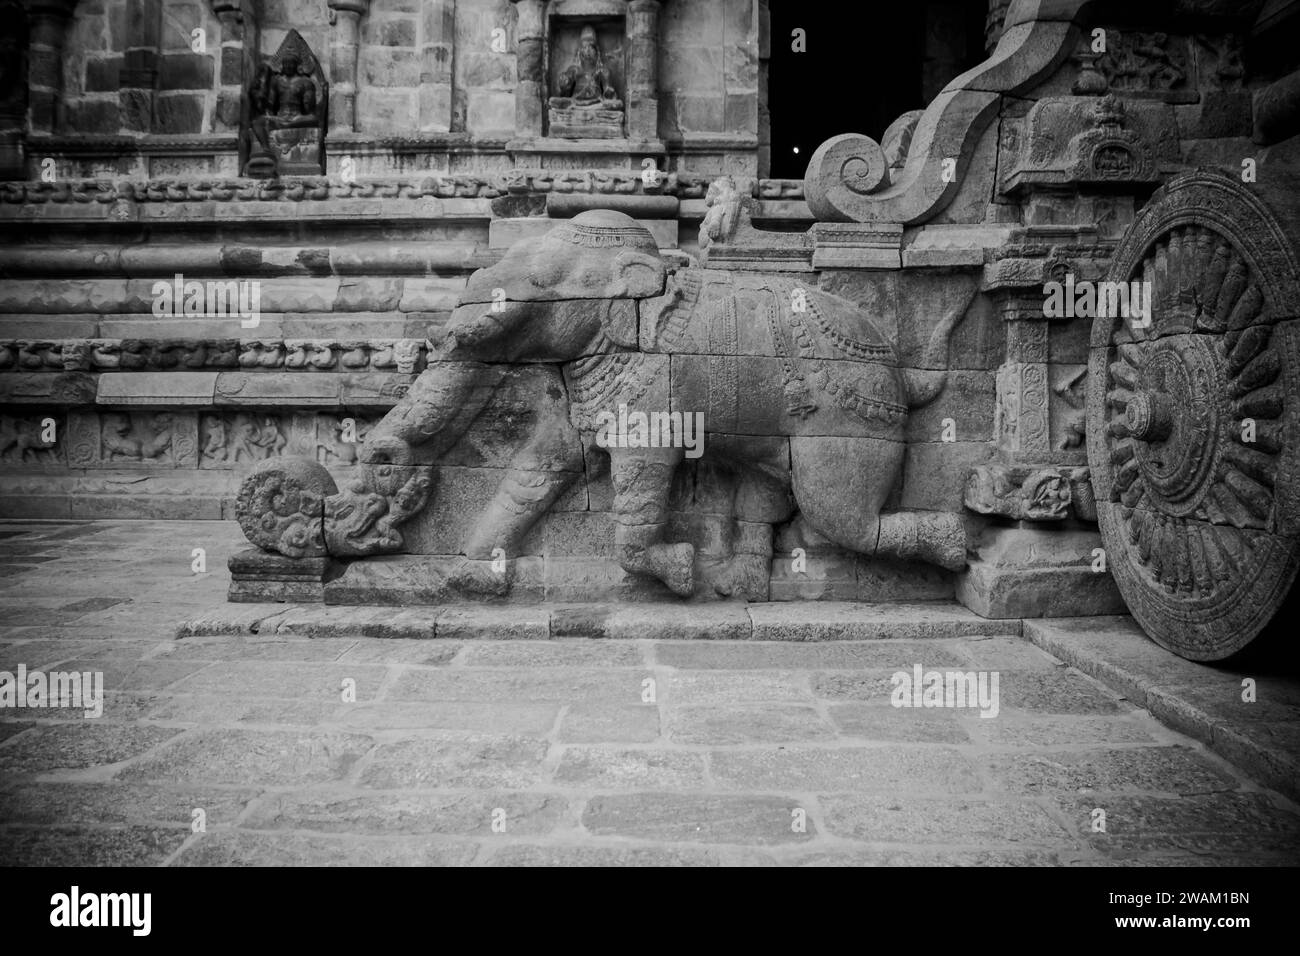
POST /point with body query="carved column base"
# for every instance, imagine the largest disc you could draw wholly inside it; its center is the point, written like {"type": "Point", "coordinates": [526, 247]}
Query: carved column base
{"type": "Point", "coordinates": [258, 576]}
{"type": "Point", "coordinates": [1024, 571]}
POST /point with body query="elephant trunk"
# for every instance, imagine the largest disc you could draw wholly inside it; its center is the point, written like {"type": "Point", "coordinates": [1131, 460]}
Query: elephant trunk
{"type": "Point", "coordinates": [923, 384]}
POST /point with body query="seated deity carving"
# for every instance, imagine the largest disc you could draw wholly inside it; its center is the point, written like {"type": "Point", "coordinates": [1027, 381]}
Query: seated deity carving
{"type": "Point", "coordinates": [587, 104]}
{"type": "Point", "coordinates": [287, 103]}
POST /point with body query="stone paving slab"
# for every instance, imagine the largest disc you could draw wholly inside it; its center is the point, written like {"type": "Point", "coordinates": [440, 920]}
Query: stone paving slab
{"type": "Point", "coordinates": [1208, 703]}
{"type": "Point", "coordinates": [500, 744]}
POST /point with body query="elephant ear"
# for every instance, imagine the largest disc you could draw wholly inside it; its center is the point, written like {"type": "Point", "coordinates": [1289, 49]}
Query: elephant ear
{"type": "Point", "coordinates": [637, 275]}
{"type": "Point", "coordinates": [619, 322]}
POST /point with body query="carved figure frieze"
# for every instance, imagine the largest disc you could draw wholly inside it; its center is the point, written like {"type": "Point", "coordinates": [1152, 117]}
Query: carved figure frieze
{"type": "Point", "coordinates": [799, 394]}
{"type": "Point", "coordinates": [255, 436]}
{"type": "Point", "coordinates": [338, 437]}
{"type": "Point", "coordinates": [1144, 63]}
{"type": "Point", "coordinates": [117, 438]}
{"type": "Point", "coordinates": [1073, 427]}
{"type": "Point", "coordinates": [1030, 493]}
{"type": "Point", "coordinates": [28, 440]}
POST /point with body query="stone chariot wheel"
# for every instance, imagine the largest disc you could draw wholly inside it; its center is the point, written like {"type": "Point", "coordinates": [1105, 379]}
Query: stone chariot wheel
{"type": "Point", "coordinates": [1194, 416]}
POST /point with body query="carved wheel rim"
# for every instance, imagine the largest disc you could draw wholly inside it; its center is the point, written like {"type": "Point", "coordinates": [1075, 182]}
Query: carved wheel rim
{"type": "Point", "coordinates": [1192, 419]}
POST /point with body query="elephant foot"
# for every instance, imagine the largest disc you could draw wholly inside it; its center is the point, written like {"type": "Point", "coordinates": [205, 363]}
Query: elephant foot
{"type": "Point", "coordinates": [673, 564]}
{"type": "Point", "coordinates": [473, 576]}
{"type": "Point", "coordinates": [746, 576]}
{"type": "Point", "coordinates": [944, 537]}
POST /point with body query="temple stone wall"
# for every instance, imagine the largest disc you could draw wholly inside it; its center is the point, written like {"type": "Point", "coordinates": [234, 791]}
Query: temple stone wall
{"type": "Point", "coordinates": [153, 412]}
{"type": "Point", "coordinates": [437, 79]}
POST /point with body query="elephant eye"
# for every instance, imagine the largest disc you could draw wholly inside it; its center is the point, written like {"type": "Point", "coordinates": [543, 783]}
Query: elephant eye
{"type": "Point", "coordinates": [546, 273]}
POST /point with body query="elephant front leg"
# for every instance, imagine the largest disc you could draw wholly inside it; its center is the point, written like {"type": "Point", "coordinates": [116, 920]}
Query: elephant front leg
{"type": "Point", "coordinates": [642, 479]}
{"type": "Point", "coordinates": [539, 473]}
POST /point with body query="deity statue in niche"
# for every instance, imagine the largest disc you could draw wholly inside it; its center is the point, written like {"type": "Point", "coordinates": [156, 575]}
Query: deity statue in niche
{"type": "Point", "coordinates": [287, 104]}
{"type": "Point", "coordinates": [587, 104]}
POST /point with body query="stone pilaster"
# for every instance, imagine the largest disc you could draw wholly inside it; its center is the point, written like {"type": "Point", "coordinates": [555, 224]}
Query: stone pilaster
{"type": "Point", "coordinates": [530, 58]}
{"type": "Point", "coordinates": [139, 75]}
{"type": "Point", "coordinates": [48, 22]}
{"type": "Point", "coordinates": [237, 63]}
{"type": "Point", "coordinates": [13, 92]}
{"type": "Point", "coordinates": [436, 58]}
{"type": "Point", "coordinates": [345, 41]}
{"type": "Point", "coordinates": [1022, 427]}
{"type": "Point", "coordinates": [643, 69]}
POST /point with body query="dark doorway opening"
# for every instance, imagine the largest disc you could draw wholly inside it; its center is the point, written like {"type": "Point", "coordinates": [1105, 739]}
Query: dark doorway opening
{"type": "Point", "coordinates": [865, 64]}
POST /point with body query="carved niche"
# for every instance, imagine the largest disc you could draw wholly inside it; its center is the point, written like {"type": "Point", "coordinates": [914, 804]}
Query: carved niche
{"type": "Point", "coordinates": [287, 105]}
{"type": "Point", "coordinates": [587, 78]}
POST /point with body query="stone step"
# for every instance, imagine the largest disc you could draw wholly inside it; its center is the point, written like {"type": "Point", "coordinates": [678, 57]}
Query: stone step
{"type": "Point", "coordinates": [777, 621]}
{"type": "Point", "coordinates": [1254, 725]}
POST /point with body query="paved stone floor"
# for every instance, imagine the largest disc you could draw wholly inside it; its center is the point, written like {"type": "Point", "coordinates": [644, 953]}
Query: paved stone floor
{"type": "Point", "coordinates": [499, 752]}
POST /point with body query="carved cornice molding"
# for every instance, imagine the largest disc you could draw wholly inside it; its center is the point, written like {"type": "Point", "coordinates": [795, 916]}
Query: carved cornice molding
{"type": "Point", "coordinates": [360, 7]}
{"type": "Point", "coordinates": [490, 186]}
{"type": "Point", "coordinates": [228, 8]}
{"type": "Point", "coordinates": [151, 355]}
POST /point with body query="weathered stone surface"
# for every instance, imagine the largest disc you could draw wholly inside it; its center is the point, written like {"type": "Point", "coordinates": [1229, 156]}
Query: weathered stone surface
{"type": "Point", "coordinates": [837, 655]}
{"type": "Point", "coordinates": [472, 761]}
{"type": "Point", "coordinates": [890, 820]}
{"type": "Point", "coordinates": [554, 653]}
{"type": "Point", "coordinates": [525, 855]}
{"type": "Point", "coordinates": [690, 818]}
{"type": "Point", "coordinates": [1167, 769]}
{"type": "Point", "coordinates": [78, 747]}
{"type": "Point", "coordinates": [1201, 822]}
{"type": "Point", "coordinates": [563, 684]}
{"type": "Point", "coordinates": [855, 622]}
{"type": "Point", "coordinates": [274, 758]}
{"type": "Point", "coordinates": [495, 623]}
{"type": "Point", "coordinates": [1207, 704]}
{"type": "Point", "coordinates": [460, 815]}
{"type": "Point", "coordinates": [603, 768]}
{"type": "Point", "coordinates": [239, 848]}
{"type": "Point", "coordinates": [323, 682]}
{"type": "Point", "coordinates": [71, 804]}
{"type": "Point", "coordinates": [747, 723]}
{"type": "Point", "coordinates": [723, 687]}
{"type": "Point", "coordinates": [156, 388]}
{"type": "Point", "coordinates": [880, 722]}
{"type": "Point", "coordinates": [940, 770]}
{"type": "Point", "coordinates": [599, 722]}
{"type": "Point", "coordinates": [91, 846]}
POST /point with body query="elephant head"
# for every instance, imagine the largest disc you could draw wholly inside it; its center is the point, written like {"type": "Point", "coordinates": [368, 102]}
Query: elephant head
{"type": "Point", "coordinates": [556, 299]}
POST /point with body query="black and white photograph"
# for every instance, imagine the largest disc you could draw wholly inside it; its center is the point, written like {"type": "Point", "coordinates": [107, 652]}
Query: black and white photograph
{"type": "Point", "coordinates": [651, 433]}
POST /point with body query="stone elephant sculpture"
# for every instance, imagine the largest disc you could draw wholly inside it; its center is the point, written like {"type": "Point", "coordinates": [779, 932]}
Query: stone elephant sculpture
{"type": "Point", "coordinates": [797, 389]}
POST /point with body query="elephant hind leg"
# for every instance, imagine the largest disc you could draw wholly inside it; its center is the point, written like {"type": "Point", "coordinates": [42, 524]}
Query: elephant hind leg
{"type": "Point", "coordinates": [642, 479]}
{"type": "Point", "coordinates": [840, 485]}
